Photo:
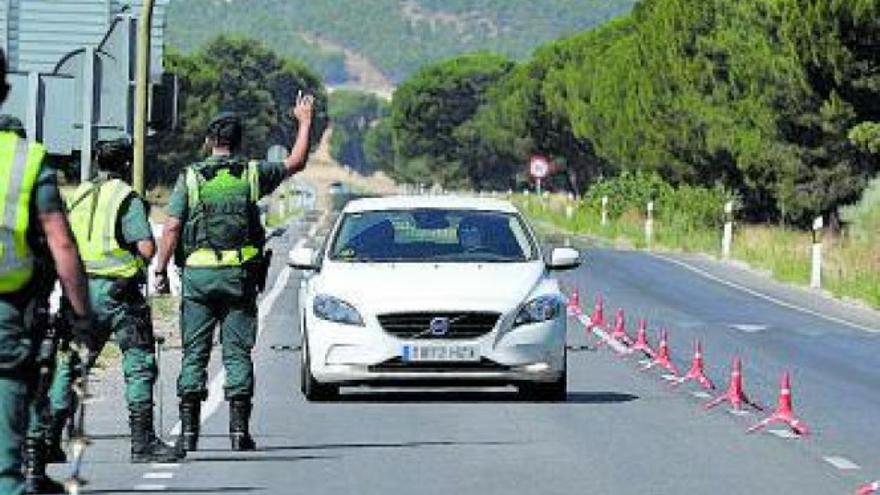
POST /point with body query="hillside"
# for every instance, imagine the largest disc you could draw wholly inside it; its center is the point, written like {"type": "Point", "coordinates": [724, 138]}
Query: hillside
{"type": "Point", "coordinates": [340, 38]}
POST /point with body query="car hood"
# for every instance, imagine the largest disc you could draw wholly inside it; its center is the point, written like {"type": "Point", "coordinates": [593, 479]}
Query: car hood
{"type": "Point", "coordinates": [396, 287]}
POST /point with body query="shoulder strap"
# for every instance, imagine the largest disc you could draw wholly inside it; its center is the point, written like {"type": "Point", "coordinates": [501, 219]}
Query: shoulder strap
{"type": "Point", "coordinates": [193, 179]}
{"type": "Point", "coordinates": [253, 176]}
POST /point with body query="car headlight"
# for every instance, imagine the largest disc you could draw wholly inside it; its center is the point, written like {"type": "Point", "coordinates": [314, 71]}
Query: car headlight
{"type": "Point", "coordinates": [336, 310]}
{"type": "Point", "coordinates": [540, 309]}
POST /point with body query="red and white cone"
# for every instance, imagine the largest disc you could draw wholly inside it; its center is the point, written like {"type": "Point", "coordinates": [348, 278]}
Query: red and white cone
{"type": "Point", "coordinates": [869, 488]}
{"type": "Point", "coordinates": [697, 371]}
{"type": "Point", "coordinates": [735, 394]}
{"type": "Point", "coordinates": [662, 358]}
{"type": "Point", "coordinates": [574, 304]}
{"type": "Point", "coordinates": [619, 331]}
{"type": "Point", "coordinates": [597, 319]}
{"type": "Point", "coordinates": [784, 412]}
{"type": "Point", "coordinates": [641, 343]}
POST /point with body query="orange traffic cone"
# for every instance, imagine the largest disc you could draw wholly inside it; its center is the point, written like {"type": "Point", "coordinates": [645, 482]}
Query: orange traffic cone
{"type": "Point", "coordinates": [619, 331]}
{"type": "Point", "coordinates": [697, 371]}
{"type": "Point", "coordinates": [641, 343]}
{"type": "Point", "coordinates": [735, 394]}
{"type": "Point", "coordinates": [784, 412]}
{"type": "Point", "coordinates": [869, 488]}
{"type": "Point", "coordinates": [662, 358]}
{"type": "Point", "coordinates": [574, 304]}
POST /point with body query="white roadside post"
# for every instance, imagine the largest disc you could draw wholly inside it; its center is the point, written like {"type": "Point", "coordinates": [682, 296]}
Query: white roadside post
{"type": "Point", "coordinates": [727, 239]}
{"type": "Point", "coordinates": [816, 273]}
{"type": "Point", "coordinates": [604, 210]}
{"type": "Point", "coordinates": [649, 225]}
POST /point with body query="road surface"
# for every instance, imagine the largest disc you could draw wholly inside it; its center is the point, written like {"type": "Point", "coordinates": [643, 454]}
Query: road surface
{"type": "Point", "coordinates": [621, 431]}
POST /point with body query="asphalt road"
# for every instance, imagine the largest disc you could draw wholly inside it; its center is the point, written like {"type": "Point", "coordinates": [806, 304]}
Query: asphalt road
{"type": "Point", "coordinates": [621, 431]}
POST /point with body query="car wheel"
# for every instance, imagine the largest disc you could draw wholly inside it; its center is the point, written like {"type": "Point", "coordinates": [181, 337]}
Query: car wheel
{"type": "Point", "coordinates": [312, 389]}
{"type": "Point", "coordinates": [555, 391]}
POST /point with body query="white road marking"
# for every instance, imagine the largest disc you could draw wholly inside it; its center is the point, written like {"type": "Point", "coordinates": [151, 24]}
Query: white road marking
{"type": "Point", "coordinates": [158, 466]}
{"type": "Point", "coordinates": [740, 412]}
{"type": "Point", "coordinates": [749, 328]}
{"type": "Point", "coordinates": [672, 378]}
{"type": "Point", "coordinates": [842, 463]}
{"type": "Point", "coordinates": [602, 334]}
{"type": "Point", "coordinates": [150, 488]}
{"type": "Point", "coordinates": [786, 434]}
{"type": "Point", "coordinates": [699, 394]}
{"type": "Point", "coordinates": [158, 476]}
{"type": "Point", "coordinates": [761, 295]}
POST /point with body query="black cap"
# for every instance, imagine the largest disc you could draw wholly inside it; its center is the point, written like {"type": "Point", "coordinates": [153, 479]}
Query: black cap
{"type": "Point", "coordinates": [10, 123]}
{"type": "Point", "coordinates": [226, 129]}
{"type": "Point", "coordinates": [113, 154]}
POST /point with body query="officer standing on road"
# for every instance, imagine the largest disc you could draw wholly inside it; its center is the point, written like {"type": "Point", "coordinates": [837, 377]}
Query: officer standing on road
{"type": "Point", "coordinates": [112, 228]}
{"type": "Point", "coordinates": [215, 229]}
{"type": "Point", "coordinates": [31, 209]}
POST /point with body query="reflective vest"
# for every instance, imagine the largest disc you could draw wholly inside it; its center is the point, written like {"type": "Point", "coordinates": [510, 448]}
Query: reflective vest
{"type": "Point", "coordinates": [19, 167]}
{"type": "Point", "coordinates": [94, 215]}
{"type": "Point", "coordinates": [223, 227]}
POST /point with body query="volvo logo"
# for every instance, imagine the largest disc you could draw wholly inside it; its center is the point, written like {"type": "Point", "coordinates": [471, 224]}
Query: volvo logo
{"type": "Point", "coordinates": [439, 326]}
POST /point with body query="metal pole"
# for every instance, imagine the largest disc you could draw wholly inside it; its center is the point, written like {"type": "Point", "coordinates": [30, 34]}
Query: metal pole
{"type": "Point", "coordinates": [142, 80]}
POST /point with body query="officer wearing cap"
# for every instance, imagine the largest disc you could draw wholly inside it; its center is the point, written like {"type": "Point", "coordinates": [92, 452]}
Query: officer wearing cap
{"type": "Point", "coordinates": [110, 222]}
{"type": "Point", "coordinates": [10, 123]}
{"type": "Point", "coordinates": [215, 229]}
{"type": "Point", "coordinates": [32, 211]}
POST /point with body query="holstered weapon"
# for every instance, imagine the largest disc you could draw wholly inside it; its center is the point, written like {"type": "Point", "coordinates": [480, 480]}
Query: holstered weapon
{"type": "Point", "coordinates": [45, 328]}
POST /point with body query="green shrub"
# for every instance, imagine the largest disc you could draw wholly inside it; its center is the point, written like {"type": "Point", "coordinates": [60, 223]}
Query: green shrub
{"type": "Point", "coordinates": [864, 216]}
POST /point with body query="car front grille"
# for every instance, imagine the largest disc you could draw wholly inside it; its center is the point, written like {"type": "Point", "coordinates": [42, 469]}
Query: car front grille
{"type": "Point", "coordinates": [462, 325]}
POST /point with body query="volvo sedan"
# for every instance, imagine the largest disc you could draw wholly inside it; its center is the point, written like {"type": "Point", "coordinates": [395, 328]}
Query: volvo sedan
{"type": "Point", "coordinates": [432, 291]}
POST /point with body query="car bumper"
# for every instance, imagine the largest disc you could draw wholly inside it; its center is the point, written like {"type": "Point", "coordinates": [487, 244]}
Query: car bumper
{"type": "Point", "coordinates": [343, 354]}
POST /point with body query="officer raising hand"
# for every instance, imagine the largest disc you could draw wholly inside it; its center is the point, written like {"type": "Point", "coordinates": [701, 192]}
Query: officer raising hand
{"type": "Point", "coordinates": [214, 220]}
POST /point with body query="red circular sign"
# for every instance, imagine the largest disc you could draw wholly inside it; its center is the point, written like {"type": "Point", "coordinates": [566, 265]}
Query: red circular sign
{"type": "Point", "coordinates": [539, 167]}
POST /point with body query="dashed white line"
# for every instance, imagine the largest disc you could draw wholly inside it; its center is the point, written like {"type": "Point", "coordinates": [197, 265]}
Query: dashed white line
{"type": "Point", "coordinates": [159, 476]}
{"type": "Point", "coordinates": [701, 395]}
{"type": "Point", "coordinates": [150, 488]}
{"type": "Point", "coordinates": [786, 434]}
{"type": "Point", "coordinates": [740, 412]}
{"type": "Point", "coordinates": [842, 463]}
{"type": "Point", "coordinates": [749, 328]}
{"type": "Point", "coordinates": [158, 466]}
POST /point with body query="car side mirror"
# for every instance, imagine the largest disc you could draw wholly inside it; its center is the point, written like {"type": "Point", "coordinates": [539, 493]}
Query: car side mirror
{"type": "Point", "coordinates": [564, 258]}
{"type": "Point", "coordinates": [302, 258]}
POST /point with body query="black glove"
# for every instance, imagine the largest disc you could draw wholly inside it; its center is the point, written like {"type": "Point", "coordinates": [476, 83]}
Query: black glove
{"type": "Point", "coordinates": [82, 335]}
{"type": "Point", "coordinates": [162, 285]}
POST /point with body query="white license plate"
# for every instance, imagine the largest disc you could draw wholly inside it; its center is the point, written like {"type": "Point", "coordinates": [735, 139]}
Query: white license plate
{"type": "Point", "coordinates": [440, 353]}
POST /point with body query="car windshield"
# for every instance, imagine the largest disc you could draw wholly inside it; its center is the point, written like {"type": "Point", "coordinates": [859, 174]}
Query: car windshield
{"type": "Point", "coordinates": [432, 235]}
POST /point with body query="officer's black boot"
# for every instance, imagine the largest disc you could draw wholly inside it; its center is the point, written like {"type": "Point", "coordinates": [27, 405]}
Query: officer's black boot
{"type": "Point", "coordinates": [54, 452]}
{"type": "Point", "coordinates": [36, 480]}
{"type": "Point", "coordinates": [190, 410]}
{"type": "Point", "coordinates": [145, 446]}
{"type": "Point", "coordinates": [239, 425]}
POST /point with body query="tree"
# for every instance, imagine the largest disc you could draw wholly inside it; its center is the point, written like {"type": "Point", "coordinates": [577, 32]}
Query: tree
{"type": "Point", "coordinates": [237, 75]}
{"type": "Point", "coordinates": [428, 109]}
{"type": "Point", "coordinates": [352, 114]}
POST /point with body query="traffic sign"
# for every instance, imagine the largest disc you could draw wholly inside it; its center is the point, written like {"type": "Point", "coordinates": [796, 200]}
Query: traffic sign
{"type": "Point", "coordinates": [539, 167]}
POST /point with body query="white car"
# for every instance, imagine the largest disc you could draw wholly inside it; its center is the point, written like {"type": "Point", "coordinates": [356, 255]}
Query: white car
{"type": "Point", "coordinates": [423, 290]}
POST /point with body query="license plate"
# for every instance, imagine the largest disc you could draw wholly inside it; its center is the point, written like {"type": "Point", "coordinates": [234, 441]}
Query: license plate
{"type": "Point", "coordinates": [440, 353]}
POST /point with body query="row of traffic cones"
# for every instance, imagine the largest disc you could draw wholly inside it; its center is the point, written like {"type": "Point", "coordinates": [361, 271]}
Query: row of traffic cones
{"type": "Point", "coordinates": [661, 358]}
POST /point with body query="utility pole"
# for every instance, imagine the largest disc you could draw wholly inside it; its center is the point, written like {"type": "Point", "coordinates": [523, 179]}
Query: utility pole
{"type": "Point", "coordinates": [142, 82]}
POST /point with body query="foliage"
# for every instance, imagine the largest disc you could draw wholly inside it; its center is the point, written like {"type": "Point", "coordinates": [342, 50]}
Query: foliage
{"type": "Point", "coordinates": [242, 76]}
{"type": "Point", "coordinates": [773, 100]}
{"type": "Point", "coordinates": [427, 114]}
{"type": "Point", "coordinates": [398, 37]}
{"type": "Point", "coordinates": [352, 114]}
{"type": "Point", "coordinates": [379, 146]}
{"type": "Point", "coordinates": [864, 217]}
{"type": "Point", "coordinates": [866, 136]}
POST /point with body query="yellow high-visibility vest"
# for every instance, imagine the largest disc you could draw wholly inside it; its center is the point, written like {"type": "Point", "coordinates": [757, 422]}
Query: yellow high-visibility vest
{"type": "Point", "coordinates": [210, 258]}
{"type": "Point", "coordinates": [19, 167]}
{"type": "Point", "coordinates": [94, 213]}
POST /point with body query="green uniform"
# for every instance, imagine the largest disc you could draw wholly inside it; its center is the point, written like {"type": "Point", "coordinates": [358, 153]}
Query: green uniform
{"type": "Point", "coordinates": [224, 294]}
{"type": "Point", "coordinates": [17, 344]}
{"type": "Point", "coordinates": [119, 310]}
